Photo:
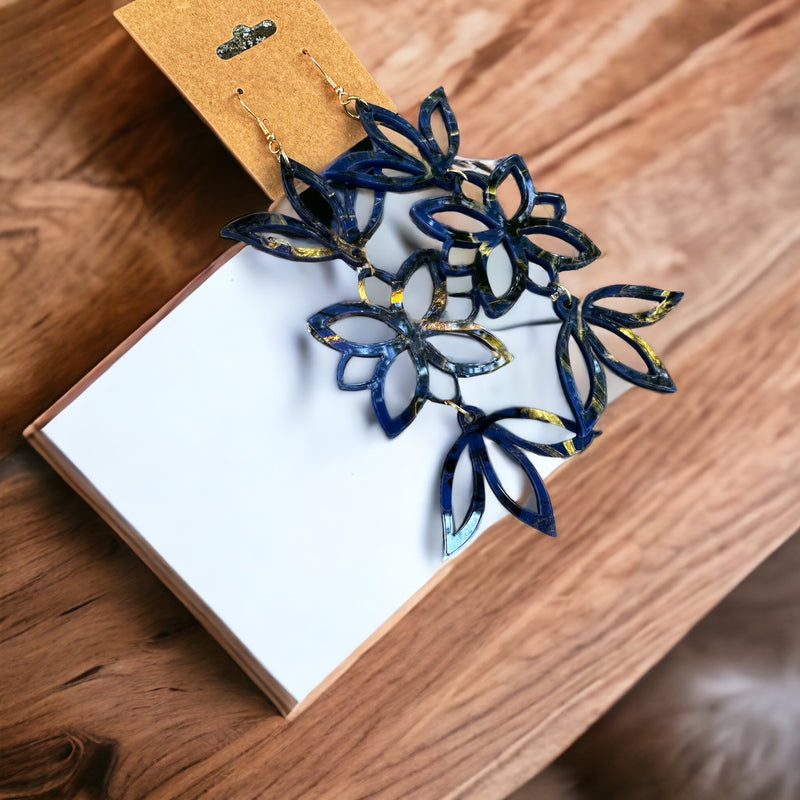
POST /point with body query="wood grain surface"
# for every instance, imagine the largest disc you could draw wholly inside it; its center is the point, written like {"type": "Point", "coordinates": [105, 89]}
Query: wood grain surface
{"type": "Point", "coordinates": [672, 128]}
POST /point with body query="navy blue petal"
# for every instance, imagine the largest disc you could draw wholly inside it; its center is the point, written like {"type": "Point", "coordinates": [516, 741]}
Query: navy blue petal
{"type": "Point", "coordinates": [542, 518]}
{"type": "Point", "coordinates": [664, 300]}
{"type": "Point", "coordinates": [457, 534]}
{"type": "Point", "coordinates": [424, 213]}
{"type": "Point", "coordinates": [587, 250]}
{"type": "Point", "coordinates": [431, 260]}
{"type": "Point", "coordinates": [655, 377]}
{"type": "Point", "coordinates": [343, 383]}
{"type": "Point", "coordinates": [365, 169]}
{"type": "Point", "coordinates": [393, 426]}
{"type": "Point", "coordinates": [556, 203]}
{"type": "Point", "coordinates": [261, 230]}
{"type": "Point", "coordinates": [586, 412]}
{"type": "Point", "coordinates": [319, 208]}
{"type": "Point", "coordinates": [515, 167]}
{"type": "Point", "coordinates": [350, 197]}
{"type": "Point", "coordinates": [320, 327]}
{"type": "Point", "coordinates": [499, 356]}
{"type": "Point", "coordinates": [567, 447]}
{"type": "Point", "coordinates": [495, 305]}
{"type": "Point", "coordinates": [436, 103]}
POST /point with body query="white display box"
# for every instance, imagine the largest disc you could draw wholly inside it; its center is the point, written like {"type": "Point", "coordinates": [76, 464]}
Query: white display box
{"type": "Point", "coordinates": [217, 444]}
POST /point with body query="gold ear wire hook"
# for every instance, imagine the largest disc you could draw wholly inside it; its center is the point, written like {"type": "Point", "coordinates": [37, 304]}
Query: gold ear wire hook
{"type": "Point", "coordinates": [272, 142]}
{"type": "Point", "coordinates": [344, 98]}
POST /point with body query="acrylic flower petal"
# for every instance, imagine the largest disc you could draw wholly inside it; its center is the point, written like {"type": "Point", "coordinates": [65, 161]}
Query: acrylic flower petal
{"type": "Point", "coordinates": [457, 533]}
{"type": "Point", "coordinates": [436, 103]}
{"type": "Point", "coordinates": [542, 518]}
{"type": "Point", "coordinates": [510, 167]}
{"type": "Point", "coordinates": [395, 425]}
{"type": "Point", "coordinates": [366, 169]}
{"type": "Point", "coordinates": [655, 377]}
{"type": "Point", "coordinates": [347, 362]}
{"type": "Point", "coordinates": [561, 448]}
{"type": "Point", "coordinates": [555, 202]}
{"type": "Point", "coordinates": [350, 197]}
{"type": "Point", "coordinates": [458, 260]}
{"type": "Point", "coordinates": [496, 304]}
{"type": "Point", "coordinates": [373, 118]}
{"type": "Point", "coordinates": [281, 236]}
{"type": "Point", "coordinates": [430, 260]}
{"type": "Point", "coordinates": [499, 356]}
{"type": "Point", "coordinates": [664, 301]}
{"type": "Point", "coordinates": [318, 202]}
{"type": "Point", "coordinates": [585, 408]}
{"type": "Point", "coordinates": [321, 327]}
{"type": "Point", "coordinates": [586, 250]}
{"type": "Point", "coordinates": [477, 226]}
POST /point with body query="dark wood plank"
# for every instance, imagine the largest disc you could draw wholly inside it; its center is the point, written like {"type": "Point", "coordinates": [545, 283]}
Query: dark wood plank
{"type": "Point", "coordinates": [94, 647]}
{"type": "Point", "coordinates": [113, 195]}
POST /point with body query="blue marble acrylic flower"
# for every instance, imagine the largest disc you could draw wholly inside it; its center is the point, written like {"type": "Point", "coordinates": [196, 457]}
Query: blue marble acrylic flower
{"type": "Point", "coordinates": [477, 430]}
{"type": "Point", "coordinates": [579, 326]}
{"type": "Point", "coordinates": [405, 335]}
{"type": "Point", "coordinates": [418, 162]}
{"type": "Point", "coordinates": [326, 226]}
{"type": "Point", "coordinates": [483, 225]}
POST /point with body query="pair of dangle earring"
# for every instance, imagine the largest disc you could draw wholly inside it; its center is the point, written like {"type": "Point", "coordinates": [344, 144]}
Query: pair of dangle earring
{"type": "Point", "coordinates": [460, 212]}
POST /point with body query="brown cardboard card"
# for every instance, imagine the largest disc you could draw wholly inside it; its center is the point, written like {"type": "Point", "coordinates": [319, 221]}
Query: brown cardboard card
{"type": "Point", "coordinates": [279, 82]}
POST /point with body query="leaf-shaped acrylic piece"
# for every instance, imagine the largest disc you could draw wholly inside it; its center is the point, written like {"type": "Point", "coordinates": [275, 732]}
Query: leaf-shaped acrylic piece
{"type": "Point", "coordinates": [484, 262]}
{"type": "Point", "coordinates": [588, 409]}
{"type": "Point", "coordinates": [495, 227]}
{"type": "Point", "coordinates": [620, 323]}
{"type": "Point", "coordinates": [391, 167]}
{"type": "Point", "coordinates": [407, 335]}
{"type": "Point", "coordinates": [476, 429]}
{"type": "Point", "coordinates": [586, 251]}
{"type": "Point", "coordinates": [322, 327]}
{"type": "Point", "coordinates": [326, 226]}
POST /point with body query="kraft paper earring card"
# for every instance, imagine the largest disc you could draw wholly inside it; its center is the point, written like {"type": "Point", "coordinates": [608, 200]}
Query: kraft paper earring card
{"type": "Point", "coordinates": [209, 49]}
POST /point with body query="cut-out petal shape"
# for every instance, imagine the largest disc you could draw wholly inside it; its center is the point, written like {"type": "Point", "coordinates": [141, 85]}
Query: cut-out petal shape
{"type": "Point", "coordinates": [511, 167]}
{"type": "Point", "coordinates": [347, 365]}
{"type": "Point", "coordinates": [493, 304]}
{"type": "Point", "coordinates": [418, 162]}
{"type": "Point", "coordinates": [541, 517]}
{"type": "Point", "coordinates": [499, 356]}
{"type": "Point", "coordinates": [585, 410]}
{"type": "Point", "coordinates": [326, 219]}
{"type": "Point", "coordinates": [655, 376]}
{"type": "Point", "coordinates": [458, 533]}
{"type": "Point", "coordinates": [427, 213]}
{"type": "Point", "coordinates": [430, 260]}
{"type": "Point", "coordinates": [663, 299]}
{"type": "Point", "coordinates": [554, 202]}
{"type": "Point", "coordinates": [395, 425]}
{"type": "Point", "coordinates": [586, 250]}
{"type": "Point", "coordinates": [322, 324]}
{"type": "Point", "coordinates": [436, 104]}
{"type": "Point", "coordinates": [280, 235]}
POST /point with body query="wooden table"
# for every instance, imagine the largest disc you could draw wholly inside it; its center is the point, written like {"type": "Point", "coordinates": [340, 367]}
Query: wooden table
{"type": "Point", "coordinates": [673, 129]}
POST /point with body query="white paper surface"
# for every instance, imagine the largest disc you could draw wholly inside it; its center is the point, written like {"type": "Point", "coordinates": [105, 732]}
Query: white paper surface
{"type": "Point", "coordinates": [222, 438]}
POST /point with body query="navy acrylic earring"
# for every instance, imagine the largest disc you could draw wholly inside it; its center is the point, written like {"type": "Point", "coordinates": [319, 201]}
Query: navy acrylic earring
{"type": "Point", "coordinates": [468, 233]}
